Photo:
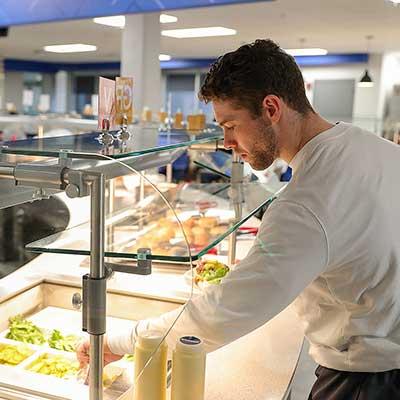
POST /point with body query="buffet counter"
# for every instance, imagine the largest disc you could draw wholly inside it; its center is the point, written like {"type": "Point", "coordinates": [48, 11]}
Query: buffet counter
{"type": "Point", "coordinates": [258, 366]}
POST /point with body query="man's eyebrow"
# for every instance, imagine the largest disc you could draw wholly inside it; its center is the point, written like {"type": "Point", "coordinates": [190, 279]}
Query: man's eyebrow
{"type": "Point", "coordinates": [228, 119]}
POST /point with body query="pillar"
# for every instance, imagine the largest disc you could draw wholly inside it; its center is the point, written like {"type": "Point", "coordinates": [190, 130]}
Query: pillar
{"type": "Point", "coordinates": [140, 49]}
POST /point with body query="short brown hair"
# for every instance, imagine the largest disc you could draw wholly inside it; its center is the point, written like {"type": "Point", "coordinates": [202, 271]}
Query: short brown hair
{"type": "Point", "coordinates": [245, 76]}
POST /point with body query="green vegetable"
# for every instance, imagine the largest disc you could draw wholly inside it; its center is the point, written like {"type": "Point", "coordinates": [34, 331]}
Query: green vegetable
{"type": "Point", "coordinates": [14, 355]}
{"type": "Point", "coordinates": [128, 357]}
{"type": "Point", "coordinates": [211, 271]}
{"type": "Point", "coordinates": [55, 365]}
{"type": "Point", "coordinates": [24, 331]}
{"type": "Point", "coordinates": [60, 342]}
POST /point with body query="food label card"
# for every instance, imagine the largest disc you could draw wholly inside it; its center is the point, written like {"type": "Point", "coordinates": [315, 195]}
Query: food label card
{"type": "Point", "coordinates": [106, 107]}
{"type": "Point", "coordinates": [124, 99]}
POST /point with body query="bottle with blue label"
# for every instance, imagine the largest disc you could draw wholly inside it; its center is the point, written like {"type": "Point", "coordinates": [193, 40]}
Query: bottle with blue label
{"type": "Point", "coordinates": [188, 369]}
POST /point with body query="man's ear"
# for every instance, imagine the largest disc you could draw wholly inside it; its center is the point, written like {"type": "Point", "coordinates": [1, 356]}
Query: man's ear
{"type": "Point", "coordinates": [272, 107]}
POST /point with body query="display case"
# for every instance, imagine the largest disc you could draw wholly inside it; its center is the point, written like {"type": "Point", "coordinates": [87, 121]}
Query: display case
{"type": "Point", "coordinates": [126, 211]}
{"type": "Point", "coordinates": [18, 127]}
{"type": "Point", "coordinates": [163, 222]}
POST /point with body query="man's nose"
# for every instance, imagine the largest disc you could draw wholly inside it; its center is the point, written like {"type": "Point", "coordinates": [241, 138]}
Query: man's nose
{"type": "Point", "coordinates": [229, 143]}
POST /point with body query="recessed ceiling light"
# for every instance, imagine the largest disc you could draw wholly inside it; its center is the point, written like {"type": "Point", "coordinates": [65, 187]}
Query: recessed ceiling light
{"type": "Point", "coordinates": [116, 21]}
{"type": "Point", "coordinates": [199, 32]}
{"type": "Point", "coordinates": [164, 57]}
{"type": "Point", "coordinates": [167, 19]}
{"type": "Point", "coordinates": [70, 48]}
{"type": "Point", "coordinates": [307, 52]}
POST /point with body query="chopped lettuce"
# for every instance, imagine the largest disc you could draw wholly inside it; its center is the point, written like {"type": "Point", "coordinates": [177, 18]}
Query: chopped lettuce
{"type": "Point", "coordinates": [60, 342]}
{"type": "Point", "coordinates": [22, 330]}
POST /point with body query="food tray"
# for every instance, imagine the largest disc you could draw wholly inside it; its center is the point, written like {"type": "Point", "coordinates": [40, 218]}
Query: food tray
{"type": "Point", "coordinates": [119, 375]}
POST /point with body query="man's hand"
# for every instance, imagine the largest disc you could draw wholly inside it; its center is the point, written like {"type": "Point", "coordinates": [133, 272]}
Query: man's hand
{"type": "Point", "coordinates": [82, 353]}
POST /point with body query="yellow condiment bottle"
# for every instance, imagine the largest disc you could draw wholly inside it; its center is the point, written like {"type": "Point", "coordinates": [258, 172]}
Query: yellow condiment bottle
{"type": "Point", "coordinates": [201, 121]}
{"type": "Point", "coordinates": [162, 116]}
{"type": "Point", "coordinates": [178, 120]}
{"type": "Point", "coordinates": [151, 384]}
{"type": "Point", "coordinates": [188, 369]}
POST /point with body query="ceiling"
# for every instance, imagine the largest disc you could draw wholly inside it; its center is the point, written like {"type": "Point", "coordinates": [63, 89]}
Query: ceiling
{"type": "Point", "coordinates": [340, 26]}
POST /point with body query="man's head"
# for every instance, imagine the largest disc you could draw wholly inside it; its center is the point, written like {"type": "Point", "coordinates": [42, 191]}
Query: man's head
{"type": "Point", "coordinates": [255, 90]}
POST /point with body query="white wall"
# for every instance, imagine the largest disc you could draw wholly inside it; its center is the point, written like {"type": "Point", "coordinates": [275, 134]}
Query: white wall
{"type": "Point", "coordinates": [390, 76]}
{"type": "Point", "coordinates": [365, 99]}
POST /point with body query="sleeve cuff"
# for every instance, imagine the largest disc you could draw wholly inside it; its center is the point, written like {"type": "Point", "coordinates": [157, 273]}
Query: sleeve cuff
{"type": "Point", "coordinates": [122, 342]}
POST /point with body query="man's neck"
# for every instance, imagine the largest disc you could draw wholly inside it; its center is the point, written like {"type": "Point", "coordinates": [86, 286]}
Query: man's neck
{"type": "Point", "coordinates": [302, 129]}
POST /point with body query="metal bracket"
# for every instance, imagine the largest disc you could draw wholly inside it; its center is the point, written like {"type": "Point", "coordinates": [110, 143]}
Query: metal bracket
{"type": "Point", "coordinates": [123, 135]}
{"type": "Point", "coordinates": [77, 301]}
{"type": "Point", "coordinates": [143, 265]}
{"type": "Point", "coordinates": [77, 185]}
{"type": "Point", "coordinates": [40, 194]}
{"type": "Point", "coordinates": [63, 159]}
{"type": "Point", "coordinates": [39, 176]}
{"type": "Point", "coordinates": [3, 156]}
{"type": "Point", "coordinates": [94, 305]}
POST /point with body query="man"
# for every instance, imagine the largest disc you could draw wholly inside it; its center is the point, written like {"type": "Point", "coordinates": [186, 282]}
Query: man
{"type": "Point", "coordinates": [330, 242]}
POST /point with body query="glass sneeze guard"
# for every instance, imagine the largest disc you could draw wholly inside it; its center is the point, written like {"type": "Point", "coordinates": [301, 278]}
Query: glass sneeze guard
{"type": "Point", "coordinates": [205, 210]}
{"type": "Point", "coordinates": [86, 145]}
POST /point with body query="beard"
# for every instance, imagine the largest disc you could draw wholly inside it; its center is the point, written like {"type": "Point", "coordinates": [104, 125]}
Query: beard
{"type": "Point", "coordinates": [265, 148]}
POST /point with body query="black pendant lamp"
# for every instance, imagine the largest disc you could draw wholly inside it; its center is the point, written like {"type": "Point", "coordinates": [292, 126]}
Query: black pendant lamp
{"type": "Point", "coordinates": [366, 80]}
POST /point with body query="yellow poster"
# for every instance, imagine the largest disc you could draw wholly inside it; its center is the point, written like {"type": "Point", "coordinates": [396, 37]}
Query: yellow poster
{"type": "Point", "coordinates": [124, 99]}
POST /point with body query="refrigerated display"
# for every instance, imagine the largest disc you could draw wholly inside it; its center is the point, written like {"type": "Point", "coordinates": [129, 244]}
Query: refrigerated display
{"type": "Point", "coordinates": [178, 223]}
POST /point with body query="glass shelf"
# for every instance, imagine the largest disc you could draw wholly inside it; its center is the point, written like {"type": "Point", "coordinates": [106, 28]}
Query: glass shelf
{"type": "Point", "coordinates": [205, 210]}
{"type": "Point", "coordinates": [87, 146]}
{"type": "Point", "coordinates": [217, 162]}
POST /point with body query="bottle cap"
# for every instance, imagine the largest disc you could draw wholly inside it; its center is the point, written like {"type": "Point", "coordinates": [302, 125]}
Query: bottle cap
{"type": "Point", "coordinates": [190, 344]}
{"type": "Point", "coordinates": [150, 339]}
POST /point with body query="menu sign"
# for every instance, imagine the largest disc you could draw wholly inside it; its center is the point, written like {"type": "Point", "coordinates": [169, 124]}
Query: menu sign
{"type": "Point", "coordinates": [106, 107]}
{"type": "Point", "coordinates": [124, 99]}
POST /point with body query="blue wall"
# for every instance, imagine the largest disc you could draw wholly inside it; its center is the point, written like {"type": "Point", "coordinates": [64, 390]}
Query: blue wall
{"type": "Point", "coordinates": [39, 66]}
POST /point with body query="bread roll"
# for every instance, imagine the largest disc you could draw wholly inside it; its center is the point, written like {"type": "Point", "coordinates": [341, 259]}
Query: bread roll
{"type": "Point", "coordinates": [207, 222]}
{"type": "Point", "coordinates": [200, 236]}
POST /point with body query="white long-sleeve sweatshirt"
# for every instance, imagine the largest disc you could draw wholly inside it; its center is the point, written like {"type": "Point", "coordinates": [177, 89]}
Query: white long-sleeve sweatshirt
{"type": "Point", "coordinates": [331, 244]}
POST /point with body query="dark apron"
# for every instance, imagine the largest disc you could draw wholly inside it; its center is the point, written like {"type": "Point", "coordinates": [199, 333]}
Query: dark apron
{"type": "Point", "coordinates": [342, 385]}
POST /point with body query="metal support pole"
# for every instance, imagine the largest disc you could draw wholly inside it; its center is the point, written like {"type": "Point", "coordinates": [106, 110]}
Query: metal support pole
{"type": "Point", "coordinates": [94, 283]}
{"type": "Point", "coordinates": [142, 187]}
{"type": "Point", "coordinates": [236, 182]}
{"type": "Point", "coordinates": [169, 172]}
{"type": "Point", "coordinates": [95, 294]}
{"type": "Point", "coordinates": [110, 185]}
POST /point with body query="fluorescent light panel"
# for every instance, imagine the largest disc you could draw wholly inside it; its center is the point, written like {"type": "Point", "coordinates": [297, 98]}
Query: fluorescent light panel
{"type": "Point", "coordinates": [307, 52]}
{"type": "Point", "coordinates": [198, 32]}
{"type": "Point", "coordinates": [70, 48]}
{"type": "Point", "coordinates": [118, 21]}
{"type": "Point", "coordinates": [167, 19]}
{"type": "Point", "coordinates": [164, 57]}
